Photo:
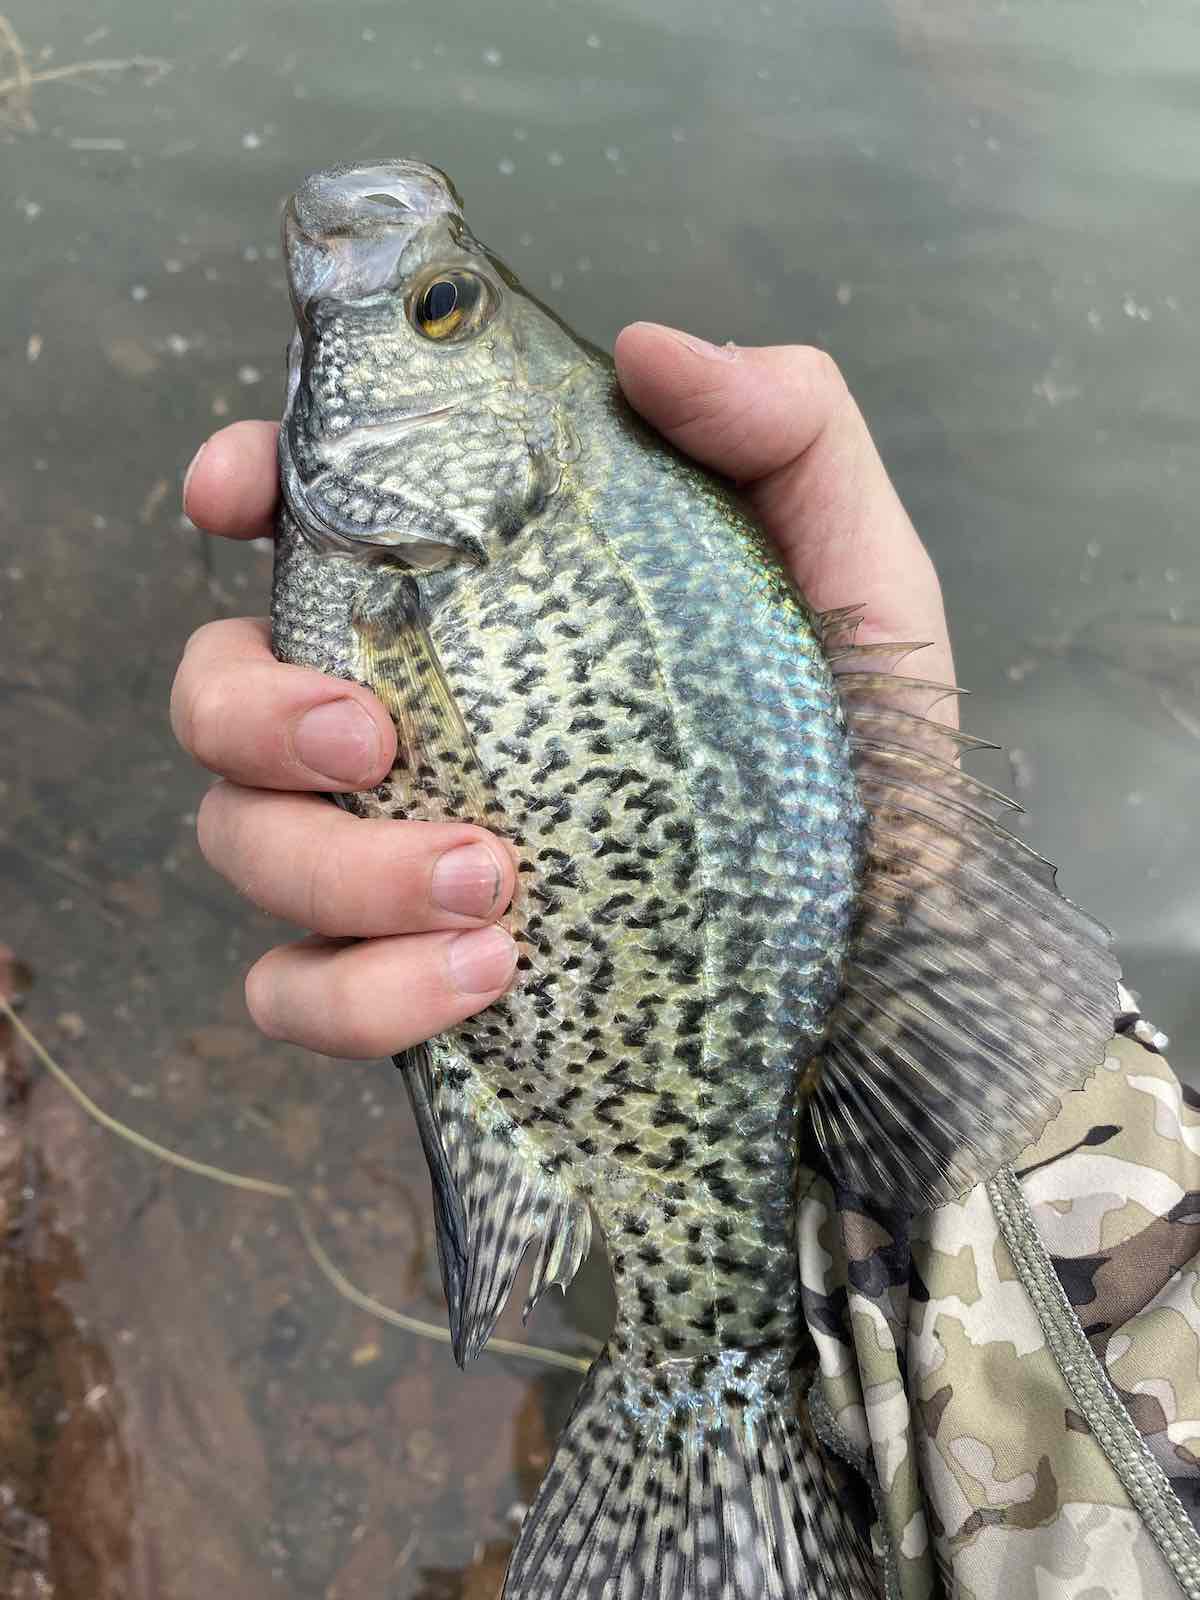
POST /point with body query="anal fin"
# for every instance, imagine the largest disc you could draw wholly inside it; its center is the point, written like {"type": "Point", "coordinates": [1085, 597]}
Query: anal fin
{"type": "Point", "coordinates": [493, 1200]}
{"type": "Point", "coordinates": [449, 1218]}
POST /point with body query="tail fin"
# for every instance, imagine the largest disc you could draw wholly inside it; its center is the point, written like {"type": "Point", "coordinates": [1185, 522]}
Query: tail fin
{"type": "Point", "coordinates": [745, 1508]}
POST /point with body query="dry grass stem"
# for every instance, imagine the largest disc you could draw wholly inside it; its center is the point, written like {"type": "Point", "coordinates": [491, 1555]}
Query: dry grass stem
{"type": "Point", "coordinates": [16, 89]}
{"type": "Point", "coordinates": [279, 1191]}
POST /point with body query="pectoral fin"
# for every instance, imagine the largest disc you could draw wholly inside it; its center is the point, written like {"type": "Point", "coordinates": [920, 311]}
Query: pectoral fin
{"type": "Point", "coordinates": [436, 761]}
{"type": "Point", "coordinates": [974, 995]}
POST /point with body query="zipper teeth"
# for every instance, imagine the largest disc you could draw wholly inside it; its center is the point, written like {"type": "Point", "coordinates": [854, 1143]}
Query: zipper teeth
{"type": "Point", "coordinates": [1141, 1476]}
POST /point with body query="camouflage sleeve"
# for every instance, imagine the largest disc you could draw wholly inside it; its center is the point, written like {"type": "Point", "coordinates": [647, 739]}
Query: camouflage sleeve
{"type": "Point", "coordinates": [1017, 1375]}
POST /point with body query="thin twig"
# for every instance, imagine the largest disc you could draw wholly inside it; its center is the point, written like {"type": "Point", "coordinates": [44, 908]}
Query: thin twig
{"type": "Point", "coordinates": [151, 65]}
{"type": "Point", "coordinates": [75, 876]}
{"type": "Point", "coordinates": [499, 1347]}
{"type": "Point", "coordinates": [278, 1191]}
{"type": "Point", "coordinates": [17, 88]}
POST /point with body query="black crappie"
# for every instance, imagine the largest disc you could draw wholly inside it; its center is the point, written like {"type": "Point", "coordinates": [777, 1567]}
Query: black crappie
{"type": "Point", "coordinates": [752, 891]}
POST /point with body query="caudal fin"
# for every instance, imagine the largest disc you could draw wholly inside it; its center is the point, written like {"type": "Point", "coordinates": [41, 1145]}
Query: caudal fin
{"type": "Point", "coordinates": [675, 1508]}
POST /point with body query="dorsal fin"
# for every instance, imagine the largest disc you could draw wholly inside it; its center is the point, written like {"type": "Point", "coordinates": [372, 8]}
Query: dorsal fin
{"type": "Point", "coordinates": [493, 1199]}
{"type": "Point", "coordinates": [974, 995]}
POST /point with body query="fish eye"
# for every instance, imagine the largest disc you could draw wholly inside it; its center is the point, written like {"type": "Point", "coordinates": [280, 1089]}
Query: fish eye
{"type": "Point", "coordinates": [453, 305]}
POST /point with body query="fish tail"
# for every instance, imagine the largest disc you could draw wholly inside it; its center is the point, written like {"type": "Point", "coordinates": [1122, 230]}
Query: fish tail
{"type": "Point", "coordinates": [689, 1504]}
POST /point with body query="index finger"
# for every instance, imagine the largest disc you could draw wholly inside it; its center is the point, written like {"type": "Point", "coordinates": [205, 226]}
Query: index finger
{"type": "Point", "coordinates": [267, 725]}
{"type": "Point", "coordinates": [232, 485]}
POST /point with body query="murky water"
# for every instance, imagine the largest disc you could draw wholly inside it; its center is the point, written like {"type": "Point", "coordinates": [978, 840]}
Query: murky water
{"type": "Point", "coordinates": [988, 213]}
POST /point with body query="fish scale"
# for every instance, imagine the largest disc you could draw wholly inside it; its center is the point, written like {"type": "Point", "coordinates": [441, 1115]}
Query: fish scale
{"type": "Point", "coordinates": [638, 1066]}
{"type": "Point", "coordinates": [753, 886]}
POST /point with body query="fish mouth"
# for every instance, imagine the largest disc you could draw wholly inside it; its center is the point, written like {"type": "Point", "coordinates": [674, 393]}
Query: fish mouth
{"type": "Point", "coordinates": [361, 196]}
{"type": "Point", "coordinates": [346, 230]}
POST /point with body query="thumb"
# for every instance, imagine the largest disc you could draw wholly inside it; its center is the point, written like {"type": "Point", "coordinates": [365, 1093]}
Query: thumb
{"type": "Point", "coordinates": [745, 412]}
{"type": "Point", "coordinates": [782, 424]}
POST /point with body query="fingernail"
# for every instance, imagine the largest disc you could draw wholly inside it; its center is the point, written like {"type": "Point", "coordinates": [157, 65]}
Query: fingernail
{"type": "Point", "coordinates": [482, 960]}
{"type": "Point", "coordinates": [187, 477]}
{"type": "Point", "coordinates": [698, 346]}
{"type": "Point", "coordinates": [338, 740]}
{"type": "Point", "coordinates": [467, 880]}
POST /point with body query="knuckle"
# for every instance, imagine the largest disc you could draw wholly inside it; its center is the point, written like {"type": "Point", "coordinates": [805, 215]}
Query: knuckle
{"type": "Point", "coordinates": [738, 423]}
{"type": "Point", "coordinates": [260, 997]}
{"type": "Point", "coordinates": [204, 709]}
{"type": "Point", "coordinates": [327, 890]}
{"type": "Point", "coordinates": [180, 703]}
{"type": "Point", "coordinates": [355, 1029]}
{"type": "Point", "coordinates": [368, 885]}
{"type": "Point", "coordinates": [698, 407]}
{"type": "Point", "coordinates": [211, 823]}
{"type": "Point", "coordinates": [190, 680]}
{"type": "Point", "coordinates": [200, 638]}
{"type": "Point", "coordinates": [234, 828]}
{"type": "Point", "coordinates": [822, 372]}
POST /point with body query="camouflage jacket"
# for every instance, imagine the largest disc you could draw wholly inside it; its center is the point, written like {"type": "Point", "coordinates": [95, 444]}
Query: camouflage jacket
{"type": "Point", "coordinates": [1016, 1376]}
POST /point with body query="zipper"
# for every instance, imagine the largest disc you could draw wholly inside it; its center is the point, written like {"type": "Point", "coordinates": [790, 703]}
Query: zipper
{"type": "Point", "coordinates": [1140, 1475]}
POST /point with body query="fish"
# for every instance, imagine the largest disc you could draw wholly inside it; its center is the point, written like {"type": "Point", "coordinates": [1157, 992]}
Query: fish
{"type": "Point", "coordinates": [761, 907]}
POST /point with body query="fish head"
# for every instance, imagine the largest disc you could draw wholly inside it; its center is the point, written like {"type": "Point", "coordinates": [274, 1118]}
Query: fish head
{"type": "Point", "coordinates": [427, 406]}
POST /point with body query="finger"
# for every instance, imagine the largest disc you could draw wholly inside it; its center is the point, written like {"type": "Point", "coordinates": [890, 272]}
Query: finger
{"type": "Point", "coordinates": [380, 997]}
{"type": "Point", "coordinates": [270, 726]}
{"type": "Point", "coordinates": [314, 865]}
{"type": "Point", "coordinates": [232, 484]}
{"type": "Point", "coordinates": [781, 422]}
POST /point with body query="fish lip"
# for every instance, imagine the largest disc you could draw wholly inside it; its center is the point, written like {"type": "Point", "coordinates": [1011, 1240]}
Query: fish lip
{"type": "Point", "coordinates": [346, 230]}
{"type": "Point", "coordinates": [366, 195]}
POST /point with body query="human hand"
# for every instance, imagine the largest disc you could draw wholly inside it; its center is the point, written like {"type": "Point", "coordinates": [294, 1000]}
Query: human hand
{"type": "Point", "coordinates": [780, 421]}
{"type": "Point", "coordinates": [404, 913]}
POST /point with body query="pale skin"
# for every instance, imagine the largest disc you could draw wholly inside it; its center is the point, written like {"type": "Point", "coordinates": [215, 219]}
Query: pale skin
{"type": "Point", "coordinates": [404, 939]}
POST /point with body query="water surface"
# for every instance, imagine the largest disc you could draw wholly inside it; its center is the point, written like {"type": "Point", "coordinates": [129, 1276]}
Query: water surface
{"type": "Point", "coordinates": [989, 214]}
